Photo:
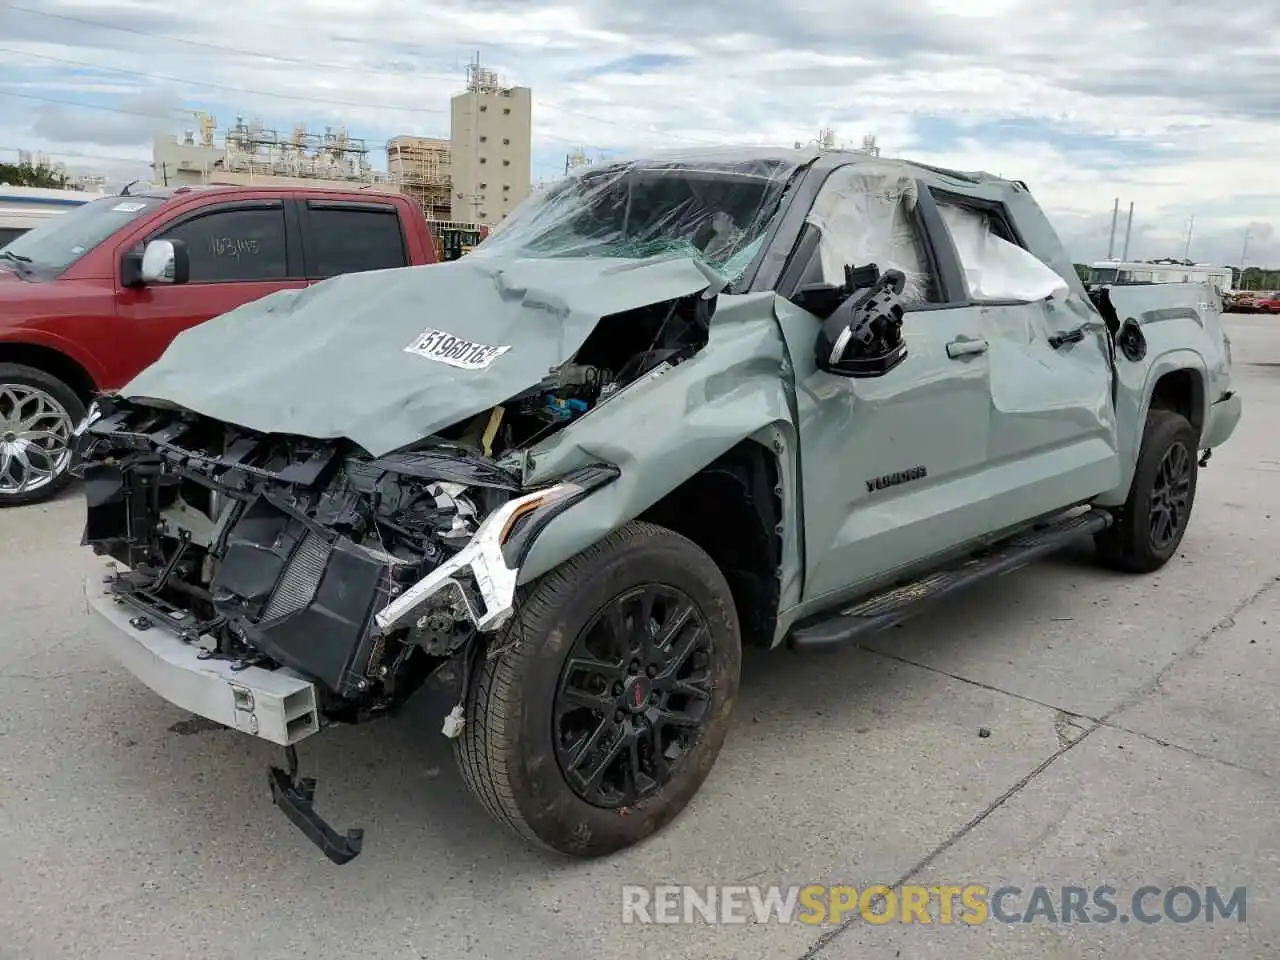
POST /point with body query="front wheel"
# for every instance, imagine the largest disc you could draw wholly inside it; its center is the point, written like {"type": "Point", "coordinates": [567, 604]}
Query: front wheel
{"type": "Point", "coordinates": [38, 414]}
{"type": "Point", "coordinates": [1149, 527]}
{"type": "Point", "coordinates": [609, 696]}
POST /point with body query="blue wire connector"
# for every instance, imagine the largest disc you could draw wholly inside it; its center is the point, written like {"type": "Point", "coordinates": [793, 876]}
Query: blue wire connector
{"type": "Point", "coordinates": [565, 409]}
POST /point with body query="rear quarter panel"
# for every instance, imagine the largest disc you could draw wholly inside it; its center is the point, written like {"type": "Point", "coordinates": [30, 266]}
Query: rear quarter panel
{"type": "Point", "coordinates": [1182, 325]}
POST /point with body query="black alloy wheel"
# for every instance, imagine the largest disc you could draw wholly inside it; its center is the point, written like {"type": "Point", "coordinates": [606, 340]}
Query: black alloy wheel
{"type": "Point", "coordinates": [1170, 496]}
{"type": "Point", "coordinates": [633, 696]}
{"type": "Point", "coordinates": [599, 710]}
{"type": "Point", "coordinates": [1150, 525]}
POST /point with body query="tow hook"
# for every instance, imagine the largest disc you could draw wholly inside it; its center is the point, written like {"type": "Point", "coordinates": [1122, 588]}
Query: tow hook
{"type": "Point", "coordinates": [297, 799]}
{"type": "Point", "coordinates": [1204, 460]}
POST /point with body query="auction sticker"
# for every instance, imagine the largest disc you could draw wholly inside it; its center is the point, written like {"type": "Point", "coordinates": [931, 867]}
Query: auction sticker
{"type": "Point", "coordinates": [455, 351]}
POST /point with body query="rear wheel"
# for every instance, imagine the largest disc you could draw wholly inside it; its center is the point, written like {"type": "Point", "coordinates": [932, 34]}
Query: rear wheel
{"type": "Point", "coordinates": [1149, 527]}
{"type": "Point", "coordinates": [38, 414]}
{"type": "Point", "coordinates": [610, 700]}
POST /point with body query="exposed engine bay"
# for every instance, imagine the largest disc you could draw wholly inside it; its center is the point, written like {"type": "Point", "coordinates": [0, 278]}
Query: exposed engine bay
{"type": "Point", "coordinates": [286, 550]}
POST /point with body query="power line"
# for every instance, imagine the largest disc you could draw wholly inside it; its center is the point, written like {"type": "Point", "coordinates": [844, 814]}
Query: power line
{"type": "Point", "coordinates": [220, 48]}
{"type": "Point", "coordinates": [314, 64]}
{"type": "Point", "coordinates": [217, 86]}
{"type": "Point", "coordinates": [173, 118]}
{"type": "Point", "coordinates": [90, 106]}
{"type": "Point", "coordinates": [77, 155]}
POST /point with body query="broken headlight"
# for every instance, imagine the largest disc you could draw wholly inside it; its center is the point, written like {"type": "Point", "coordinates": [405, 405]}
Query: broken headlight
{"type": "Point", "coordinates": [529, 515]}
{"type": "Point", "coordinates": [491, 560]}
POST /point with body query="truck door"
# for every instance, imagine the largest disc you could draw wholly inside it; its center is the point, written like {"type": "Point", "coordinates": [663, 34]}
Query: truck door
{"type": "Point", "coordinates": [892, 466]}
{"type": "Point", "coordinates": [1053, 428]}
{"type": "Point", "coordinates": [239, 252]}
{"type": "Point", "coordinates": [349, 236]}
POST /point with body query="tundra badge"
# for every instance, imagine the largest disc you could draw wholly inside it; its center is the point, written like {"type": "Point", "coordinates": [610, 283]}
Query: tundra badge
{"type": "Point", "coordinates": [893, 479]}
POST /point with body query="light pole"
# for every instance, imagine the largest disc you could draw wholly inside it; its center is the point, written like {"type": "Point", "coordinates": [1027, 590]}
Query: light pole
{"type": "Point", "coordinates": [1243, 254]}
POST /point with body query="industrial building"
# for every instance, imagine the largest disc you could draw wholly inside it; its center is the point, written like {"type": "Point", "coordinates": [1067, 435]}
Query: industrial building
{"type": "Point", "coordinates": [484, 170]}
{"type": "Point", "coordinates": [421, 167]}
{"type": "Point", "coordinates": [469, 181]}
{"type": "Point", "coordinates": [490, 134]}
{"type": "Point", "coordinates": [253, 154]}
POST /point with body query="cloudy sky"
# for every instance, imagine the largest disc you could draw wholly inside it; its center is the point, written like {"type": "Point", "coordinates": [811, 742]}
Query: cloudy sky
{"type": "Point", "coordinates": [1171, 104]}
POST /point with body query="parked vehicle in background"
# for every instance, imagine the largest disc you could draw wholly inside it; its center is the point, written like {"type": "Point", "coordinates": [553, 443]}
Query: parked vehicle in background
{"type": "Point", "coordinates": [1239, 301]}
{"type": "Point", "coordinates": [456, 239]}
{"type": "Point", "coordinates": [1254, 302]}
{"type": "Point", "coordinates": [22, 208]}
{"type": "Point", "coordinates": [92, 296]}
{"type": "Point", "coordinates": [669, 408]}
{"type": "Point", "coordinates": [1160, 271]}
{"type": "Point", "coordinates": [1267, 303]}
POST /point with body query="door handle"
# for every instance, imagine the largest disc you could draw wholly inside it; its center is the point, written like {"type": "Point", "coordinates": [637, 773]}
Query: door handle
{"type": "Point", "coordinates": [965, 348]}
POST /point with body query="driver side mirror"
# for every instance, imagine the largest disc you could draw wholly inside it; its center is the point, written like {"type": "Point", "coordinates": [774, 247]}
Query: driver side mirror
{"type": "Point", "coordinates": [162, 261]}
{"type": "Point", "coordinates": [863, 336]}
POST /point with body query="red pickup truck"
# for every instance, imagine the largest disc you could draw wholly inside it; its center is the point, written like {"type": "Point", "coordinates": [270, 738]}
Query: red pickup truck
{"type": "Point", "coordinates": [92, 296]}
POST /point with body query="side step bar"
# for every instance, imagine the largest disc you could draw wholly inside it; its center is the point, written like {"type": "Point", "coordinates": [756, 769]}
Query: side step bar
{"type": "Point", "coordinates": [888, 609]}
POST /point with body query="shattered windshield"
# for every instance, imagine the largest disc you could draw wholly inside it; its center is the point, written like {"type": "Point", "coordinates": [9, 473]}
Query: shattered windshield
{"type": "Point", "coordinates": [715, 210]}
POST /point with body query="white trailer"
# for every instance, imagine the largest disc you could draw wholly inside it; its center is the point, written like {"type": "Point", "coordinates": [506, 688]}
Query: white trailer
{"type": "Point", "coordinates": [22, 208]}
{"type": "Point", "coordinates": [1160, 271]}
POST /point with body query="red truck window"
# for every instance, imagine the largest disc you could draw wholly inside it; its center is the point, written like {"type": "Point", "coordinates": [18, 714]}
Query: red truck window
{"type": "Point", "coordinates": [351, 237]}
{"type": "Point", "coordinates": [234, 244]}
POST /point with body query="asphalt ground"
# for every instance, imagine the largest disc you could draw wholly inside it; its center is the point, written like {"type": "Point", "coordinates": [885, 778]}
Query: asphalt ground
{"type": "Point", "coordinates": [1132, 740]}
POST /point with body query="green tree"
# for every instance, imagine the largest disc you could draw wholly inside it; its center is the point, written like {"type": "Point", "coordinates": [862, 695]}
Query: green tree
{"type": "Point", "coordinates": [1257, 278]}
{"type": "Point", "coordinates": [33, 175]}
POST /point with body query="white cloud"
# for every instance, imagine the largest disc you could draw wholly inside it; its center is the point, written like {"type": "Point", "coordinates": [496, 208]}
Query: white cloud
{"type": "Point", "coordinates": [1170, 104]}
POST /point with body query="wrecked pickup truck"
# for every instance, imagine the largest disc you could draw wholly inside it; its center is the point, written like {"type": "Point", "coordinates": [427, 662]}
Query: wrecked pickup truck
{"type": "Point", "coordinates": [669, 408]}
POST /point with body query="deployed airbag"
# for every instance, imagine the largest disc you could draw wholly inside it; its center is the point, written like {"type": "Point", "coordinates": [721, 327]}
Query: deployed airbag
{"type": "Point", "coordinates": [864, 216]}
{"type": "Point", "coordinates": [994, 268]}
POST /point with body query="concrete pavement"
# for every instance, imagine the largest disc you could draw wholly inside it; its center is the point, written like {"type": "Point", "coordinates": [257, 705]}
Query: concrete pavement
{"type": "Point", "coordinates": [1134, 738]}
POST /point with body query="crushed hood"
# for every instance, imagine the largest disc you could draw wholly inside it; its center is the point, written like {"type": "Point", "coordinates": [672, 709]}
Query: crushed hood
{"type": "Point", "coordinates": [386, 358]}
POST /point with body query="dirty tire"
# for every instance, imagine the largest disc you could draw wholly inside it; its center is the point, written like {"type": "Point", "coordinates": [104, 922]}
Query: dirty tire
{"type": "Point", "coordinates": [507, 748]}
{"type": "Point", "coordinates": [26, 379]}
{"type": "Point", "coordinates": [1129, 543]}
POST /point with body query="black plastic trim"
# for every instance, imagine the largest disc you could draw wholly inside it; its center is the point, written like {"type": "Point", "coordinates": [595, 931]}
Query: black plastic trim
{"type": "Point", "coordinates": [993, 208]}
{"type": "Point", "coordinates": [296, 798]}
{"type": "Point", "coordinates": [940, 249]}
{"type": "Point", "coordinates": [780, 241]}
{"type": "Point", "coordinates": [295, 237]}
{"type": "Point", "coordinates": [831, 631]}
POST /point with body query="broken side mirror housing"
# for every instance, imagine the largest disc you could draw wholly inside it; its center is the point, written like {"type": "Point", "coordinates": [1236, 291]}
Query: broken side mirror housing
{"type": "Point", "coordinates": [820, 299]}
{"type": "Point", "coordinates": [863, 336]}
{"type": "Point", "coordinates": [162, 261]}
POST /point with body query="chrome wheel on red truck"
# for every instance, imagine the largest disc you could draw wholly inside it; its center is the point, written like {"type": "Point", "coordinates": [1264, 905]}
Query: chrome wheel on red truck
{"type": "Point", "coordinates": [38, 414]}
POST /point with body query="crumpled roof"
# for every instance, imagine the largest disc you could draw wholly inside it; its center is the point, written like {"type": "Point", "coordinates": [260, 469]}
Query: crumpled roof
{"type": "Point", "coordinates": [386, 358]}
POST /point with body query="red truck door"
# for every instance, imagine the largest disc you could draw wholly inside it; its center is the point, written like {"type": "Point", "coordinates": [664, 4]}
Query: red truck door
{"type": "Point", "coordinates": [240, 250]}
